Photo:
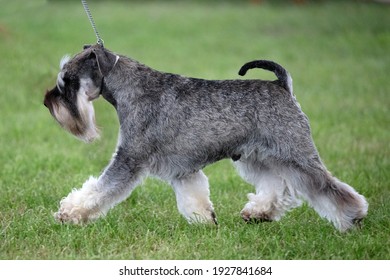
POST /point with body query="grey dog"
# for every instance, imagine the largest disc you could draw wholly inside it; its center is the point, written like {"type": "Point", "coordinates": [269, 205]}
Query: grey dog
{"type": "Point", "coordinates": [172, 126]}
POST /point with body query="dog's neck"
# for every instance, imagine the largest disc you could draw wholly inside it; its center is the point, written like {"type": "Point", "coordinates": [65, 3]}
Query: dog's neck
{"type": "Point", "coordinates": [104, 91]}
{"type": "Point", "coordinates": [107, 94]}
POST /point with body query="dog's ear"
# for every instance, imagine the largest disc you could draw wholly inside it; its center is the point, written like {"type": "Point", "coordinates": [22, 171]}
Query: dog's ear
{"type": "Point", "coordinates": [105, 60]}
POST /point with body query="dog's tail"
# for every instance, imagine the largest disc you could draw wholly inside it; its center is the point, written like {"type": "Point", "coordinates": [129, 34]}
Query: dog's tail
{"type": "Point", "coordinates": [283, 76]}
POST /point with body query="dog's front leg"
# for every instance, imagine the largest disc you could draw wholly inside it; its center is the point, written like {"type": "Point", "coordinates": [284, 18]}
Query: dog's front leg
{"type": "Point", "coordinates": [98, 195]}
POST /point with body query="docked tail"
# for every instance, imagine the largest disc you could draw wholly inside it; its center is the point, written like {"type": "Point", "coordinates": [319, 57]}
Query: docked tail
{"type": "Point", "coordinates": [281, 73]}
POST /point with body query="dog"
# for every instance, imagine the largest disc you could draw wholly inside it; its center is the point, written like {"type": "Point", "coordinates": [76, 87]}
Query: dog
{"type": "Point", "coordinates": [172, 126]}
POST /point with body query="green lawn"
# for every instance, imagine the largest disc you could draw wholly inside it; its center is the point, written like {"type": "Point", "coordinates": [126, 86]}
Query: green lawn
{"type": "Point", "coordinates": [338, 53]}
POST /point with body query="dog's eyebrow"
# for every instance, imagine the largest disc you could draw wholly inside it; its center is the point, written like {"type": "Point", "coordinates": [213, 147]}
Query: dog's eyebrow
{"type": "Point", "coordinates": [60, 77]}
{"type": "Point", "coordinates": [60, 81]}
{"type": "Point", "coordinates": [64, 60]}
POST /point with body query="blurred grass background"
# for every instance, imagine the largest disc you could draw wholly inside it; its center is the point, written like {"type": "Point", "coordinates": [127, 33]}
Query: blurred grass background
{"type": "Point", "coordinates": [338, 53]}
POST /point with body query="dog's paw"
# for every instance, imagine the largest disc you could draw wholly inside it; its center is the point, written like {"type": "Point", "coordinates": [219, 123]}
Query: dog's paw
{"type": "Point", "coordinates": [250, 217]}
{"type": "Point", "coordinates": [258, 210]}
{"type": "Point", "coordinates": [206, 216]}
{"type": "Point", "coordinates": [77, 209]}
{"type": "Point", "coordinates": [81, 205]}
{"type": "Point", "coordinates": [72, 214]}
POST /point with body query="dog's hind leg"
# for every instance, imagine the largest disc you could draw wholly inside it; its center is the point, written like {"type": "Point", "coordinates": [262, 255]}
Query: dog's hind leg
{"type": "Point", "coordinates": [193, 198]}
{"type": "Point", "coordinates": [273, 197]}
{"type": "Point", "coordinates": [332, 199]}
{"type": "Point", "coordinates": [98, 195]}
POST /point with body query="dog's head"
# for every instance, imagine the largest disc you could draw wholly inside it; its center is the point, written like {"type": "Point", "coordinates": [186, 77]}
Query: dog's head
{"type": "Point", "coordinates": [79, 82]}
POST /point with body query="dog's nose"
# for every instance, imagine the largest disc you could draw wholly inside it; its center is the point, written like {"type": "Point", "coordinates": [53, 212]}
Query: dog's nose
{"type": "Point", "coordinates": [46, 102]}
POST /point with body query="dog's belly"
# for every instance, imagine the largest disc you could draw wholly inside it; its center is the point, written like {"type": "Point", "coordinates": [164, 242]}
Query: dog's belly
{"type": "Point", "coordinates": [178, 163]}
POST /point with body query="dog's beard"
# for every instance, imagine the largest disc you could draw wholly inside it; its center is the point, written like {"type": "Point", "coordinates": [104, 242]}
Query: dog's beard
{"type": "Point", "coordinates": [83, 126]}
{"type": "Point", "coordinates": [87, 113]}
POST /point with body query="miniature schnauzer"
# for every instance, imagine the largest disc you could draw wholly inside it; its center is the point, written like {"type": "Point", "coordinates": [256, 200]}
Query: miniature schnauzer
{"type": "Point", "coordinates": [172, 126]}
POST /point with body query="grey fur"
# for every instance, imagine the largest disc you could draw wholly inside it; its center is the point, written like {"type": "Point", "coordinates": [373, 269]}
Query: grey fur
{"type": "Point", "coordinates": [172, 126]}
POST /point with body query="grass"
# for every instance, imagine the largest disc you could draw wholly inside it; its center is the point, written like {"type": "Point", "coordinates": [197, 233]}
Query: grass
{"type": "Point", "coordinates": [337, 53]}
